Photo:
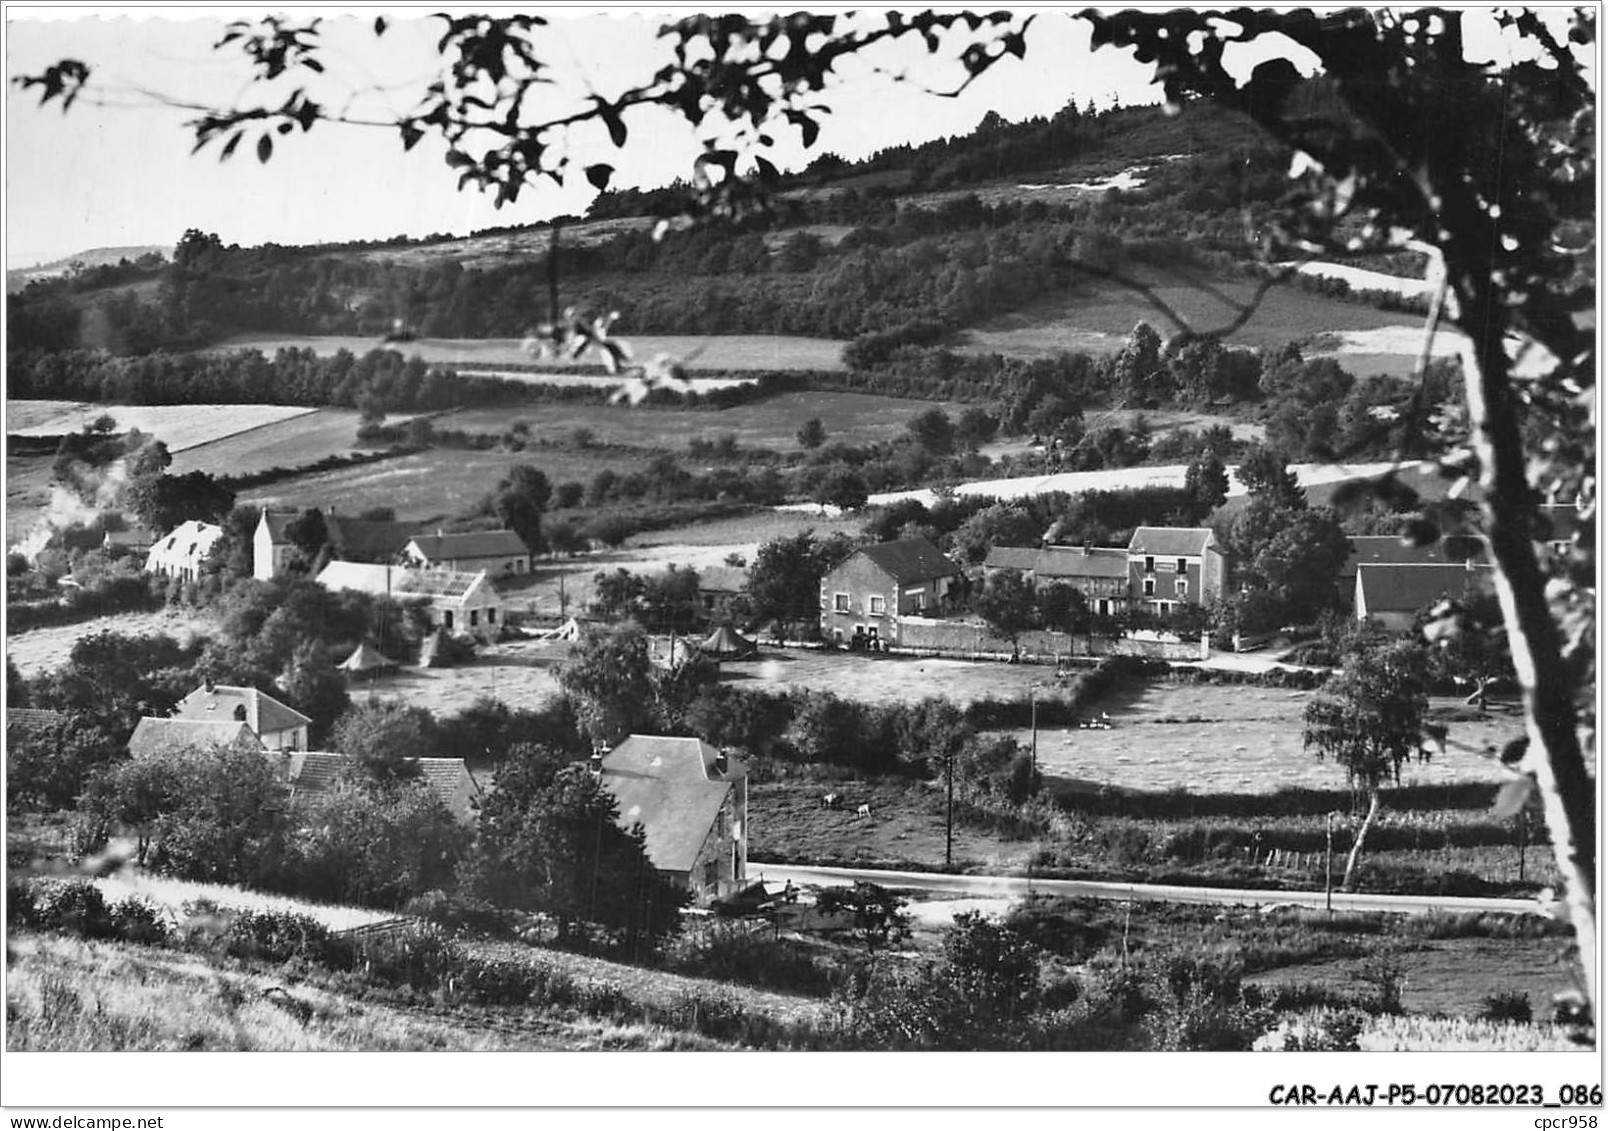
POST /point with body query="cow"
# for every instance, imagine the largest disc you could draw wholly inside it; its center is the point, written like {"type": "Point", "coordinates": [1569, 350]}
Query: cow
{"type": "Point", "coordinates": [832, 801]}
{"type": "Point", "coordinates": [863, 811]}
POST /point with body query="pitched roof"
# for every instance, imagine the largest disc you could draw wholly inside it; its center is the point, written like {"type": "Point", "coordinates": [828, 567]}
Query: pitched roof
{"type": "Point", "coordinates": [1171, 541]}
{"type": "Point", "coordinates": [674, 787]}
{"type": "Point", "coordinates": [1061, 561]}
{"type": "Point", "coordinates": [1407, 588]}
{"type": "Point", "coordinates": [262, 713]}
{"type": "Point", "coordinates": [726, 641]}
{"type": "Point", "coordinates": [187, 545]}
{"type": "Point", "coordinates": [1390, 549]}
{"type": "Point", "coordinates": [722, 579]}
{"type": "Point", "coordinates": [400, 581]}
{"type": "Point", "coordinates": [911, 559]}
{"type": "Point", "coordinates": [312, 772]}
{"type": "Point", "coordinates": [366, 540]}
{"type": "Point", "coordinates": [31, 720]}
{"type": "Point", "coordinates": [470, 544]}
{"type": "Point", "coordinates": [152, 736]}
{"type": "Point", "coordinates": [137, 537]}
{"type": "Point", "coordinates": [277, 522]}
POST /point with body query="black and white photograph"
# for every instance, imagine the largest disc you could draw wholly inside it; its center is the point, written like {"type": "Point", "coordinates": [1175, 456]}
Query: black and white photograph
{"type": "Point", "coordinates": [727, 531]}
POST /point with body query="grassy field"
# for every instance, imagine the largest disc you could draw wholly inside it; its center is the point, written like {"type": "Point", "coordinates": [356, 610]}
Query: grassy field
{"type": "Point", "coordinates": [180, 427]}
{"type": "Point", "coordinates": [1100, 316]}
{"type": "Point", "coordinates": [887, 679]}
{"type": "Point", "coordinates": [906, 827]}
{"type": "Point", "coordinates": [742, 352]}
{"type": "Point", "coordinates": [771, 424]}
{"type": "Point", "coordinates": [42, 649]}
{"type": "Point", "coordinates": [289, 443]}
{"type": "Point", "coordinates": [1233, 739]}
{"type": "Point", "coordinates": [431, 484]}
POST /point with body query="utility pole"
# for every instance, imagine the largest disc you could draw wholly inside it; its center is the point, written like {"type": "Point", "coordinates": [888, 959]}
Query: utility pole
{"type": "Point", "coordinates": [1033, 698]}
{"type": "Point", "coordinates": [1328, 865]}
{"type": "Point", "coordinates": [949, 810]}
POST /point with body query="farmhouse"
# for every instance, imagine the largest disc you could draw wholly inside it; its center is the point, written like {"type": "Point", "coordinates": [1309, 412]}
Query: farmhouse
{"type": "Point", "coordinates": [1393, 595]}
{"type": "Point", "coordinates": [721, 591]}
{"type": "Point", "coordinates": [865, 596]}
{"type": "Point", "coordinates": [692, 803]}
{"type": "Point", "coordinates": [1390, 549]}
{"type": "Point", "coordinates": [134, 540]}
{"type": "Point", "coordinates": [311, 774]}
{"type": "Point", "coordinates": [156, 736]}
{"type": "Point", "coordinates": [1099, 573]}
{"type": "Point", "coordinates": [460, 604]}
{"type": "Point", "coordinates": [1170, 566]}
{"type": "Point", "coordinates": [277, 726]}
{"type": "Point", "coordinates": [181, 553]}
{"type": "Point", "coordinates": [365, 539]}
{"type": "Point", "coordinates": [494, 551]}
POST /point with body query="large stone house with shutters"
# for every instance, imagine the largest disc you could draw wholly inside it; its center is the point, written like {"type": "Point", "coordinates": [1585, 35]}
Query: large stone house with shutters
{"type": "Point", "coordinates": [692, 803]}
{"type": "Point", "coordinates": [865, 596]}
{"type": "Point", "coordinates": [1172, 566]}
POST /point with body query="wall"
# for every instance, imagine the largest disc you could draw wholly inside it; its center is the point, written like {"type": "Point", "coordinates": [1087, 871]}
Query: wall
{"type": "Point", "coordinates": [925, 634]}
{"type": "Point", "coordinates": [717, 849]}
{"type": "Point", "coordinates": [1155, 646]}
{"type": "Point", "coordinates": [861, 579]}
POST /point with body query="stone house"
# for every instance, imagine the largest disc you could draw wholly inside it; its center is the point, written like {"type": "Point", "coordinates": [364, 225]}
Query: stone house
{"type": "Point", "coordinates": [692, 802]}
{"type": "Point", "coordinates": [180, 553]}
{"type": "Point", "coordinates": [154, 736]}
{"type": "Point", "coordinates": [1100, 573]}
{"type": "Point", "coordinates": [311, 773]}
{"type": "Point", "coordinates": [460, 604]}
{"type": "Point", "coordinates": [277, 726]}
{"type": "Point", "coordinates": [470, 551]}
{"type": "Point", "coordinates": [866, 595]}
{"type": "Point", "coordinates": [1392, 595]}
{"type": "Point", "coordinates": [1172, 566]}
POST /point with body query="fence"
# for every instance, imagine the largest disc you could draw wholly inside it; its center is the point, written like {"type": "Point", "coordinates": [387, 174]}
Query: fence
{"type": "Point", "coordinates": [1154, 646]}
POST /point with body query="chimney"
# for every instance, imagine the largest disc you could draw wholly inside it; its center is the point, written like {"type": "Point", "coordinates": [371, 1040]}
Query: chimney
{"type": "Point", "coordinates": [722, 761]}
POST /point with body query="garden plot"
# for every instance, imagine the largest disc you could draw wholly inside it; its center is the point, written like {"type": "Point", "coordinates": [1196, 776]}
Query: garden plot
{"type": "Point", "coordinates": [295, 442]}
{"type": "Point", "coordinates": [1208, 738]}
{"type": "Point", "coordinates": [886, 679]}
{"type": "Point", "coordinates": [180, 427]}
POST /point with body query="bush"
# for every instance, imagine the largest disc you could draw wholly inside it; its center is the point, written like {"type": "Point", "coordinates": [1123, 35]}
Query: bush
{"type": "Point", "coordinates": [76, 906]}
{"type": "Point", "coordinates": [274, 936]}
{"type": "Point", "coordinates": [136, 920]}
{"type": "Point", "coordinates": [728, 952]}
{"type": "Point", "coordinates": [1508, 1005]}
{"type": "Point", "coordinates": [420, 957]}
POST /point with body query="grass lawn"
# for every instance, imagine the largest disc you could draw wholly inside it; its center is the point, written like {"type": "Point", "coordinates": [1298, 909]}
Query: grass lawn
{"type": "Point", "coordinates": [432, 484]}
{"type": "Point", "coordinates": [741, 352]}
{"type": "Point", "coordinates": [768, 425]}
{"type": "Point", "coordinates": [886, 679]}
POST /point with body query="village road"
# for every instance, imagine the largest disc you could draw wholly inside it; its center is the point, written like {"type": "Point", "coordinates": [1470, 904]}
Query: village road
{"type": "Point", "coordinates": [1018, 886]}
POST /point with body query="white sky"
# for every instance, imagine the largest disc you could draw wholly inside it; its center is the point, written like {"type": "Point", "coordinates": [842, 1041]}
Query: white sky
{"type": "Point", "coordinates": [110, 176]}
{"type": "Point", "coordinates": [118, 175]}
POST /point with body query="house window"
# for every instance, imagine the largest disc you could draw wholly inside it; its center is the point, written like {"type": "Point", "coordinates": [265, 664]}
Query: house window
{"type": "Point", "coordinates": [491, 616]}
{"type": "Point", "coordinates": [446, 619]}
{"type": "Point", "coordinates": [921, 601]}
{"type": "Point", "coordinates": [1150, 587]}
{"type": "Point", "coordinates": [840, 602]}
{"type": "Point", "coordinates": [711, 874]}
{"type": "Point", "coordinates": [1182, 565]}
{"type": "Point", "coordinates": [1164, 607]}
{"type": "Point", "coordinates": [1182, 585]}
{"type": "Point", "coordinates": [879, 606]}
{"type": "Point", "coordinates": [1150, 565]}
{"type": "Point", "coordinates": [474, 617]}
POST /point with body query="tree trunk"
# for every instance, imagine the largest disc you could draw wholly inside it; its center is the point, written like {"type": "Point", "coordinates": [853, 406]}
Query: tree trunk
{"type": "Point", "coordinates": [1507, 502]}
{"type": "Point", "coordinates": [1362, 834]}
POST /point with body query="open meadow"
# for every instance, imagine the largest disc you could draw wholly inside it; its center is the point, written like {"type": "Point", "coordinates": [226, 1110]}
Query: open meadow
{"type": "Point", "coordinates": [1208, 738]}
{"type": "Point", "coordinates": [768, 425]}
{"type": "Point", "coordinates": [180, 427]}
{"type": "Point", "coordinates": [431, 484]}
{"type": "Point", "coordinates": [306, 439]}
{"type": "Point", "coordinates": [1098, 318]}
{"type": "Point", "coordinates": [736, 352]}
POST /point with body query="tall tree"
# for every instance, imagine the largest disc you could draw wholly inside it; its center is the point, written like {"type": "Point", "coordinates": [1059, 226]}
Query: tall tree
{"type": "Point", "coordinates": [1369, 718]}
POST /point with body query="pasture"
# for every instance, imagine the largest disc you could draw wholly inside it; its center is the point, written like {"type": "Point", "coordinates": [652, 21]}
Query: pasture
{"type": "Point", "coordinates": [180, 427]}
{"type": "Point", "coordinates": [43, 649]}
{"type": "Point", "coordinates": [1099, 317]}
{"type": "Point", "coordinates": [295, 442]}
{"type": "Point", "coordinates": [1234, 739]}
{"type": "Point", "coordinates": [431, 484]}
{"type": "Point", "coordinates": [738, 352]}
{"type": "Point", "coordinates": [771, 424]}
